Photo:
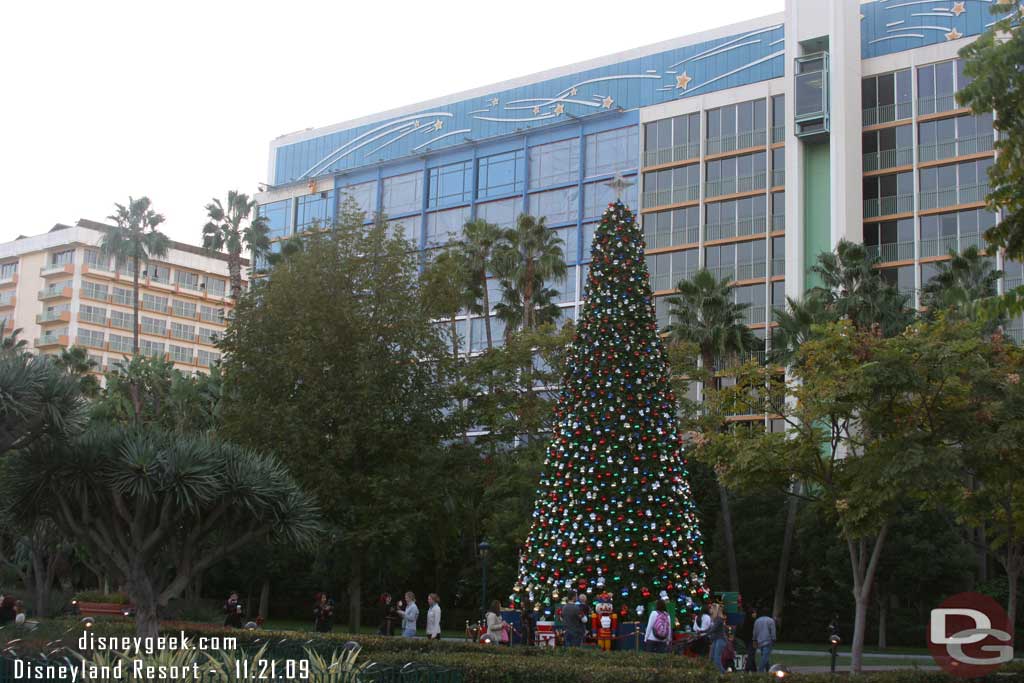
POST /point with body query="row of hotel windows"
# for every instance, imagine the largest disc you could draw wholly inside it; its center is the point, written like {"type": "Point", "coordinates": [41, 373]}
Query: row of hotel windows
{"type": "Point", "coordinates": [152, 302]}
{"type": "Point", "coordinates": [894, 240]}
{"type": "Point", "coordinates": [121, 344]}
{"type": "Point", "coordinates": [97, 315]}
{"type": "Point", "coordinates": [722, 220]}
{"type": "Point", "coordinates": [156, 272]}
{"type": "Point", "coordinates": [888, 97]}
{"type": "Point", "coordinates": [939, 139]}
{"type": "Point", "coordinates": [731, 175]}
{"type": "Point", "coordinates": [737, 261]}
{"type": "Point", "coordinates": [547, 165]}
{"type": "Point", "coordinates": [960, 183]}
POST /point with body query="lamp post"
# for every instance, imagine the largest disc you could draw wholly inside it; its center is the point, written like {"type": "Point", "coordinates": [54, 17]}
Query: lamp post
{"type": "Point", "coordinates": [485, 549]}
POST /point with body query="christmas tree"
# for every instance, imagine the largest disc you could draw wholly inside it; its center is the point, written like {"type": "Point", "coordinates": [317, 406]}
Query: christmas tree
{"type": "Point", "coordinates": [613, 511]}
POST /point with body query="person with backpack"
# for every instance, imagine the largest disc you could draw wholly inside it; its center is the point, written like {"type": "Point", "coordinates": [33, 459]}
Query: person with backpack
{"type": "Point", "coordinates": [659, 629]}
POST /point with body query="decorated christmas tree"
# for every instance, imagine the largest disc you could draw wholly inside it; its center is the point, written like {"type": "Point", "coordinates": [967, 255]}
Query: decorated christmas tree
{"type": "Point", "coordinates": [613, 511]}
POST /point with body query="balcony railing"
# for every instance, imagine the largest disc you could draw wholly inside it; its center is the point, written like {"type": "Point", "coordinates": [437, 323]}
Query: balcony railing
{"type": "Point", "coordinates": [51, 339]}
{"type": "Point", "coordinates": [892, 251]}
{"type": "Point", "coordinates": [675, 195]}
{"type": "Point", "coordinates": [740, 228]}
{"type": "Point", "coordinates": [744, 183]}
{"type": "Point", "coordinates": [729, 143]}
{"type": "Point", "coordinates": [932, 105]}
{"type": "Point", "coordinates": [942, 245]}
{"type": "Point", "coordinates": [54, 292]}
{"type": "Point", "coordinates": [951, 148]}
{"type": "Point", "coordinates": [778, 177]}
{"type": "Point", "coordinates": [722, 272]}
{"type": "Point", "coordinates": [94, 319]}
{"type": "Point", "coordinates": [121, 346]}
{"type": "Point", "coordinates": [49, 316]}
{"type": "Point", "coordinates": [778, 134]}
{"type": "Point", "coordinates": [666, 238]}
{"type": "Point", "coordinates": [888, 158]}
{"type": "Point", "coordinates": [656, 157]}
{"type": "Point", "coordinates": [120, 323]}
{"type": "Point", "coordinates": [887, 112]}
{"type": "Point", "coordinates": [85, 340]}
{"type": "Point", "coordinates": [778, 266]}
{"type": "Point", "coordinates": [1012, 283]}
{"type": "Point", "coordinates": [749, 271]}
{"type": "Point", "coordinates": [778, 223]}
{"type": "Point", "coordinates": [1016, 333]}
{"type": "Point", "coordinates": [56, 268]}
{"type": "Point", "coordinates": [6, 301]}
{"type": "Point", "coordinates": [962, 194]}
{"type": "Point", "coordinates": [753, 315]}
{"type": "Point", "coordinates": [887, 206]}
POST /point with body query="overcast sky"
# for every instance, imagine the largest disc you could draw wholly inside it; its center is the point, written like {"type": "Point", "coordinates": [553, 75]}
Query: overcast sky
{"type": "Point", "coordinates": [179, 100]}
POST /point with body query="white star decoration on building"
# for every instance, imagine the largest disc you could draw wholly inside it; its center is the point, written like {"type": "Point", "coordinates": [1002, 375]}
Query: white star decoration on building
{"type": "Point", "coordinates": [559, 108]}
{"type": "Point", "coordinates": [494, 101]}
{"type": "Point", "coordinates": [683, 80]}
{"type": "Point", "coordinates": [954, 35]}
{"type": "Point", "coordinates": [959, 8]}
{"type": "Point", "coordinates": [438, 124]}
{"type": "Point", "coordinates": [607, 102]}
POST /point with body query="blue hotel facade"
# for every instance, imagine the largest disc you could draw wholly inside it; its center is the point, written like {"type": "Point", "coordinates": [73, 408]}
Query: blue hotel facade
{"type": "Point", "coordinates": [750, 149]}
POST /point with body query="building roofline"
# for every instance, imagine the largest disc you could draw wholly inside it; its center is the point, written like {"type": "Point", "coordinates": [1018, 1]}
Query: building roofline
{"type": "Point", "coordinates": [180, 246]}
{"type": "Point", "coordinates": [597, 62]}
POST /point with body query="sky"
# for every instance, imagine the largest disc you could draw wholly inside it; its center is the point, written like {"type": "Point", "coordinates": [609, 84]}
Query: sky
{"type": "Point", "coordinates": [178, 101]}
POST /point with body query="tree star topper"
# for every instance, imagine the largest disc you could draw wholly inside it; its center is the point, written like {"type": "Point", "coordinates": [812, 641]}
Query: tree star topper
{"type": "Point", "coordinates": [619, 184]}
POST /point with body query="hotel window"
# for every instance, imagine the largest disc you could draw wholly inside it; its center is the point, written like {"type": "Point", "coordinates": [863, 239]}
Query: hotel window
{"type": "Point", "coordinates": [778, 166]}
{"type": "Point", "coordinates": [736, 174]}
{"type": "Point", "coordinates": [120, 319]}
{"type": "Point", "coordinates": [570, 242]}
{"type": "Point", "coordinates": [672, 186]}
{"type": "Point", "coordinates": [779, 295]}
{"type": "Point", "coordinates": [153, 326]}
{"type": "Point", "coordinates": [94, 290]}
{"type": "Point", "coordinates": [890, 240]}
{"type": "Point", "coordinates": [736, 126]}
{"type": "Point", "coordinates": [402, 193]}
{"type": "Point", "coordinates": [960, 135]}
{"type": "Point", "coordinates": [588, 240]}
{"type": "Point", "coordinates": [674, 139]}
{"type": "Point", "coordinates": [666, 270]}
{"type": "Point", "coordinates": [182, 331]}
{"type": "Point", "coordinates": [120, 344]}
{"type": "Point", "coordinates": [612, 151]}
{"type": "Point", "coordinates": [148, 347]}
{"type": "Point", "coordinates": [962, 183]}
{"type": "Point", "coordinates": [405, 228]}
{"type": "Point", "coordinates": [184, 309]}
{"type": "Point", "coordinates": [87, 337]}
{"type": "Point", "coordinates": [445, 226]}
{"type": "Point", "coordinates": [451, 184]}
{"type": "Point", "coordinates": [902, 278]}
{"type": "Point", "coordinates": [186, 279]}
{"type": "Point", "coordinates": [363, 194]}
{"type": "Point", "coordinates": [888, 147]}
{"type": "Point", "coordinates": [885, 195]}
{"type": "Point", "coordinates": [181, 354]}
{"type": "Point", "coordinates": [92, 314]}
{"type": "Point", "coordinates": [96, 362]}
{"type": "Point", "coordinates": [558, 206]}
{"type": "Point", "coordinates": [736, 218]}
{"type": "Point", "coordinates": [62, 258]}
{"type": "Point", "coordinates": [942, 233]}
{"type": "Point", "coordinates": [778, 118]}
{"type": "Point", "coordinates": [314, 211]}
{"type": "Point", "coordinates": [151, 302]}
{"type": "Point", "coordinates": [721, 261]}
{"type": "Point", "coordinates": [886, 97]}
{"type": "Point", "coordinates": [8, 270]}
{"type": "Point", "coordinates": [277, 215]}
{"type": "Point", "coordinates": [778, 211]}
{"type": "Point", "coordinates": [208, 358]}
{"type": "Point", "coordinates": [937, 85]}
{"type": "Point", "coordinates": [501, 174]}
{"type": "Point", "coordinates": [597, 197]}
{"type": "Point", "coordinates": [751, 260]}
{"type": "Point", "coordinates": [502, 213]}
{"type": "Point", "coordinates": [123, 297]}
{"type": "Point", "coordinates": [565, 287]}
{"type": "Point", "coordinates": [555, 163]}
{"type": "Point", "coordinates": [1013, 274]}
{"type": "Point", "coordinates": [158, 273]}
{"type": "Point", "coordinates": [211, 314]}
{"type": "Point", "coordinates": [671, 228]}
{"type": "Point", "coordinates": [754, 297]}
{"type": "Point", "coordinates": [207, 336]}
{"type": "Point", "coordinates": [216, 286]}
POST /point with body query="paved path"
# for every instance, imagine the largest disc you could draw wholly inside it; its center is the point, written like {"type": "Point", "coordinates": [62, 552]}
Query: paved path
{"type": "Point", "coordinates": [825, 653]}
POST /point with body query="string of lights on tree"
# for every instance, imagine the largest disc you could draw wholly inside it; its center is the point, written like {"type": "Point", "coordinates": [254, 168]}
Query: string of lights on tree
{"type": "Point", "coordinates": [614, 511]}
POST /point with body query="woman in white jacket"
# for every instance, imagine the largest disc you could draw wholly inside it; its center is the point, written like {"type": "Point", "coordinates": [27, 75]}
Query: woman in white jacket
{"type": "Point", "coordinates": [409, 615]}
{"type": "Point", "coordinates": [434, 617]}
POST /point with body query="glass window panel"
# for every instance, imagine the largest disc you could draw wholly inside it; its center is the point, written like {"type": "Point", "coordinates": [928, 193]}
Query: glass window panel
{"type": "Point", "coordinates": [314, 209]}
{"type": "Point", "coordinates": [558, 206]}
{"type": "Point", "coordinates": [363, 194]}
{"type": "Point", "coordinates": [868, 92]}
{"type": "Point", "coordinates": [944, 84]}
{"type": "Point", "coordinates": [277, 215]}
{"type": "Point", "coordinates": [445, 226]}
{"type": "Point", "coordinates": [501, 174]}
{"type": "Point", "coordinates": [612, 151]}
{"type": "Point", "coordinates": [501, 213]}
{"type": "Point", "coordinates": [450, 184]}
{"type": "Point", "coordinates": [597, 197]}
{"type": "Point", "coordinates": [402, 193]}
{"type": "Point", "coordinates": [903, 86]}
{"type": "Point", "coordinates": [886, 89]}
{"type": "Point", "coordinates": [554, 163]}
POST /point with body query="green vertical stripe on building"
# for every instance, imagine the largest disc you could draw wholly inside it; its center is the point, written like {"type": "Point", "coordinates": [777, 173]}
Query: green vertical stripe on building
{"type": "Point", "coordinates": [817, 231]}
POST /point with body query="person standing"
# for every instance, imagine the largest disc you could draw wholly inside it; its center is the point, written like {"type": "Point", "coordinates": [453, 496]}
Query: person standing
{"type": "Point", "coordinates": [388, 615]}
{"type": "Point", "coordinates": [717, 635]}
{"type": "Point", "coordinates": [409, 615]}
{"type": "Point", "coordinates": [585, 614]}
{"type": "Point", "coordinates": [323, 614]}
{"type": "Point", "coordinates": [433, 617]}
{"type": "Point", "coordinates": [495, 624]}
{"type": "Point", "coordinates": [233, 611]}
{"type": "Point", "coordinates": [745, 634]}
{"type": "Point", "coordinates": [659, 629]}
{"type": "Point", "coordinates": [528, 623]}
{"type": "Point", "coordinates": [764, 640]}
{"type": "Point", "coordinates": [572, 621]}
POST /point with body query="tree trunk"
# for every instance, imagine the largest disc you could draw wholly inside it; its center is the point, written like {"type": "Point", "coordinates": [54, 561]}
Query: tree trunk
{"type": "Point", "coordinates": [144, 597]}
{"type": "Point", "coordinates": [135, 308]}
{"type": "Point", "coordinates": [265, 599]}
{"type": "Point", "coordinates": [860, 620]}
{"type": "Point", "coordinates": [235, 274]}
{"type": "Point", "coordinates": [730, 545]}
{"type": "Point", "coordinates": [883, 612]}
{"type": "Point", "coordinates": [981, 553]}
{"type": "Point", "coordinates": [779, 600]}
{"type": "Point", "coordinates": [1012, 578]}
{"type": "Point", "coordinates": [355, 594]}
{"type": "Point", "coordinates": [487, 313]}
{"type": "Point", "coordinates": [864, 567]}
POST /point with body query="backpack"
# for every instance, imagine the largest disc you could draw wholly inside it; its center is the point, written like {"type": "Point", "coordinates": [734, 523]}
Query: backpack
{"type": "Point", "coordinates": [661, 626]}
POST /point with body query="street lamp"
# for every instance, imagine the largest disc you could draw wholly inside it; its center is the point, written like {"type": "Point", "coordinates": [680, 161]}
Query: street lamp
{"type": "Point", "coordinates": [485, 549]}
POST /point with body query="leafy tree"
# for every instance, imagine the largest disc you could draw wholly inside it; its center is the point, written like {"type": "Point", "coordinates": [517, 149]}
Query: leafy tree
{"type": "Point", "coordinates": [336, 363]}
{"type": "Point", "coordinates": [528, 256]}
{"type": "Point", "coordinates": [480, 240]}
{"type": "Point", "coordinates": [992, 62]}
{"type": "Point", "coordinates": [157, 507]}
{"type": "Point", "coordinates": [134, 240]}
{"type": "Point", "coordinates": [447, 290]}
{"type": "Point", "coordinates": [34, 551]}
{"type": "Point", "coordinates": [796, 326]}
{"type": "Point", "coordinates": [37, 400]}
{"type": "Point", "coordinates": [234, 229]}
{"type": "Point", "coordinates": [75, 361]}
{"type": "Point", "coordinates": [707, 316]}
{"type": "Point", "coordinates": [966, 278]}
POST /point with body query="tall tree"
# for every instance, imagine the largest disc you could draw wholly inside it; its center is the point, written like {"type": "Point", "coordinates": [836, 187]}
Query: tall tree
{"type": "Point", "coordinates": [796, 326]}
{"type": "Point", "coordinates": [38, 400]}
{"type": "Point", "coordinates": [966, 278]}
{"type": "Point", "coordinates": [339, 366]}
{"type": "Point", "coordinates": [528, 255]}
{"type": "Point", "coordinates": [706, 315]}
{"type": "Point", "coordinates": [233, 229]}
{"type": "Point", "coordinates": [134, 240]}
{"type": "Point", "coordinates": [479, 241]}
{"type": "Point", "coordinates": [448, 289]}
{"type": "Point", "coordinates": [76, 361]}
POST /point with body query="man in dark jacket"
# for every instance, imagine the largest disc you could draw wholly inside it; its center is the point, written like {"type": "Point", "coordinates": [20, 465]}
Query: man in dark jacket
{"type": "Point", "coordinates": [573, 614]}
{"type": "Point", "coordinates": [745, 634]}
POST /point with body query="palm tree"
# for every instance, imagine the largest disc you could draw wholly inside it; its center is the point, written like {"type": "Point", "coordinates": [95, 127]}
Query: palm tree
{"type": "Point", "coordinates": [228, 231]}
{"type": "Point", "coordinates": [511, 311]}
{"type": "Point", "coordinates": [795, 322]}
{"type": "Point", "coordinates": [528, 256]}
{"type": "Point", "coordinates": [967, 277]}
{"type": "Point", "coordinates": [135, 240]}
{"type": "Point", "coordinates": [76, 362]}
{"type": "Point", "coordinates": [11, 343]}
{"type": "Point", "coordinates": [853, 288]}
{"type": "Point", "coordinates": [445, 292]}
{"type": "Point", "coordinates": [706, 315]}
{"type": "Point", "coordinates": [480, 239]}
